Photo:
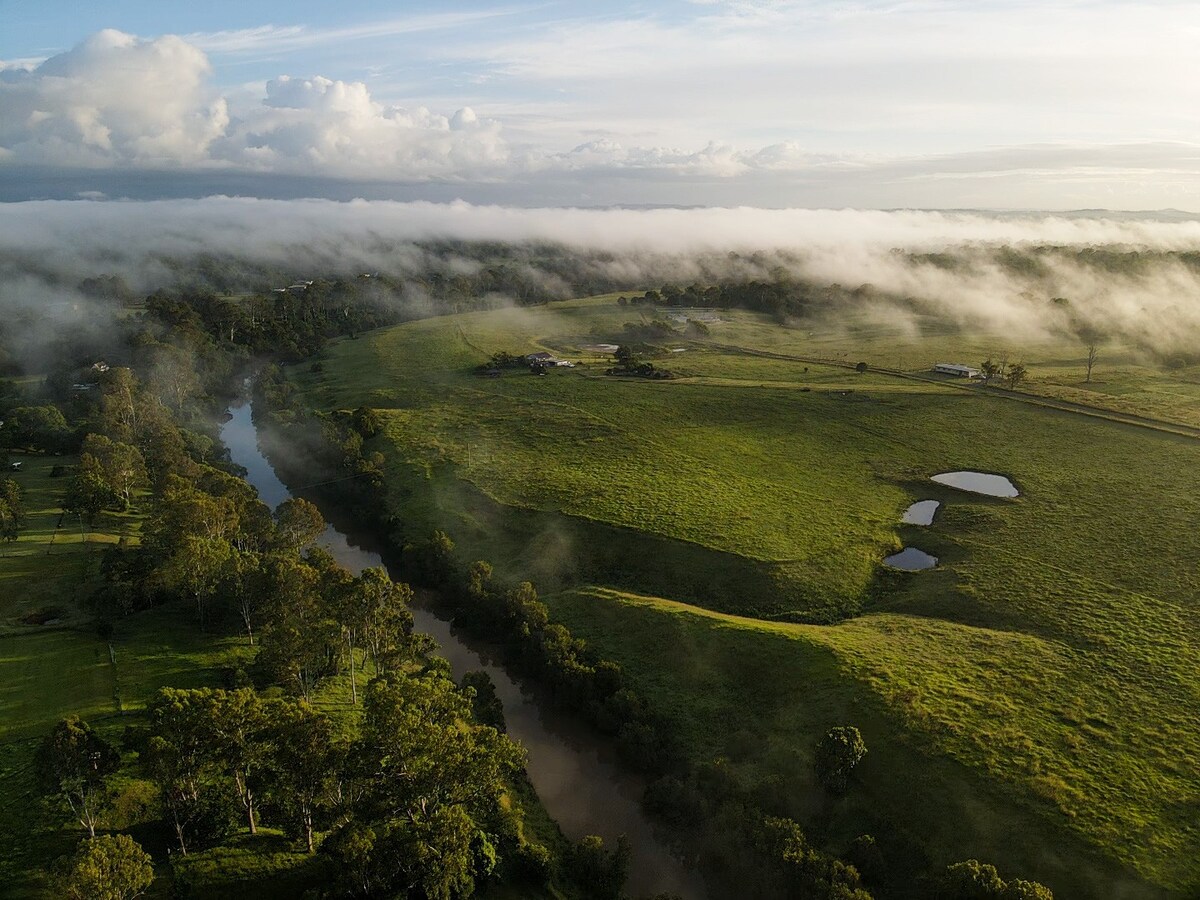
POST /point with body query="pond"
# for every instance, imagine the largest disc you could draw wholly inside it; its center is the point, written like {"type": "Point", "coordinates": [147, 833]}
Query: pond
{"type": "Point", "coordinates": [921, 512]}
{"type": "Point", "coordinates": [979, 483]}
{"type": "Point", "coordinates": [911, 560]}
{"type": "Point", "coordinates": [576, 775]}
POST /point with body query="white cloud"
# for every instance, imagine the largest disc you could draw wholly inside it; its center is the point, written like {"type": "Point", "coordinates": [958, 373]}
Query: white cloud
{"type": "Point", "coordinates": [114, 99]}
{"type": "Point", "coordinates": [119, 100]}
{"type": "Point", "coordinates": [656, 98]}
{"type": "Point", "coordinates": [276, 39]}
{"type": "Point", "coordinates": [334, 128]}
{"type": "Point", "coordinates": [865, 77]}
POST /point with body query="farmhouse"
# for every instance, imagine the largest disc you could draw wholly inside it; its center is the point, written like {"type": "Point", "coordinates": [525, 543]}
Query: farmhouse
{"type": "Point", "coordinates": [956, 370]}
{"type": "Point", "coordinates": [684, 314]}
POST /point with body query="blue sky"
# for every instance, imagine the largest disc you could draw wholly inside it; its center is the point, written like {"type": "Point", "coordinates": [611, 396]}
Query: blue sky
{"type": "Point", "coordinates": [937, 103]}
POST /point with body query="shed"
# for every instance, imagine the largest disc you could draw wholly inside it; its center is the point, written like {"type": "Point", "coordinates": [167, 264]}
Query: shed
{"type": "Point", "coordinates": [959, 371]}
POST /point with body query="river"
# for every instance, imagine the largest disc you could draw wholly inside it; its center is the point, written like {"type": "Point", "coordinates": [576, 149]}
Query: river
{"type": "Point", "coordinates": [575, 773]}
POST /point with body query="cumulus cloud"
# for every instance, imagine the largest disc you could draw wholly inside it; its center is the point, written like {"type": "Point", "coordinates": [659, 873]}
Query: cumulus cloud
{"type": "Point", "coordinates": [114, 99]}
{"type": "Point", "coordinates": [330, 127]}
{"type": "Point", "coordinates": [117, 100]}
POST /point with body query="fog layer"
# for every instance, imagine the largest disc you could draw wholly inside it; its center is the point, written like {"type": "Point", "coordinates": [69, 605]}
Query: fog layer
{"type": "Point", "coordinates": [1024, 274]}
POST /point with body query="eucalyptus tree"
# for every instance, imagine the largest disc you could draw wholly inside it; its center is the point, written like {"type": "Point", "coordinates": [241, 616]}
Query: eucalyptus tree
{"type": "Point", "coordinates": [306, 766]}
{"type": "Point", "coordinates": [73, 763]}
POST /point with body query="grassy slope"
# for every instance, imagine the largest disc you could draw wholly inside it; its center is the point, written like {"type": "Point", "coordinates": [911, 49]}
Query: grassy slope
{"type": "Point", "coordinates": [1052, 658]}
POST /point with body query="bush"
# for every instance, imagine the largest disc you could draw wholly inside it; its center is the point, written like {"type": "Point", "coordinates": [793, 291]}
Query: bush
{"type": "Point", "coordinates": [109, 867]}
{"type": "Point", "coordinates": [837, 755]}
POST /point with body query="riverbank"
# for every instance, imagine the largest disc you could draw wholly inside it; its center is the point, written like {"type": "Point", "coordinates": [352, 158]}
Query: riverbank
{"type": "Point", "coordinates": [577, 778]}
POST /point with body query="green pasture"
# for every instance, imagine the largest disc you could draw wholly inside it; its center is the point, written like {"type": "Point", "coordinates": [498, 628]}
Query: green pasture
{"type": "Point", "coordinates": [54, 563]}
{"type": "Point", "coordinates": [1124, 379]}
{"type": "Point", "coordinates": [1043, 675]}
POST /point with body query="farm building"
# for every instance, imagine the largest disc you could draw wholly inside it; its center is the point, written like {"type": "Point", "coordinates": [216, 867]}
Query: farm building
{"type": "Point", "coordinates": [956, 370]}
{"type": "Point", "coordinates": [548, 361]}
{"type": "Point", "coordinates": [684, 314]}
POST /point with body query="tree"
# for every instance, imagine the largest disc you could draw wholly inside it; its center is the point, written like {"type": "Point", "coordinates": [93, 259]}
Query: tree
{"type": "Point", "coordinates": [431, 785]}
{"type": "Point", "coordinates": [239, 731]}
{"type": "Point", "coordinates": [1019, 889]}
{"type": "Point", "coordinates": [88, 493]}
{"type": "Point", "coordinates": [1016, 374]}
{"type": "Point", "coordinates": [120, 465]}
{"type": "Point", "coordinates": [973, 880]}
{"type": "Point", "coordinates": [110, 867]}
{"type": "Point", "coordinates": [197, 566]}
{"type": "Point", "coordinates": [367, 421]}
{"type": "Point", "coordinates": [173, 374]}
{"type": "Point", "coordinates": [625, 356]}
{"type": "Point", "coordinates": [178, 757]}
{"type": "Point", "coordinates": [121, 405]}
{"type": "Point", "coordinates": [1093, 353]}
{"type": "Point", "coordinates": [379, 608]}
{"type": "Point", "coordinates": [300, 640]}
{"type": "Point", "coordinates": [839, 751]}
{"type": "Point", "coordinates": [801, 870]}
{"type": "Point", "coordinates": [297, 523]}
{"type": "Point", "coordinates": [990, 370]}
{"type": "Point", "coordinates": [305, 765]}
{"type": "Point", "coordinates": [598, 873]}
{"type": "Point", "coordinates": [861, 367]}
{"type": "Point", "coordinates": [73, 763]}
{"type": "Point", "coordinates": [12, 510]}
{"type": "Point", "coordinates": [40, 427]}
{"type": "Point", "coordinates": [486, 706]}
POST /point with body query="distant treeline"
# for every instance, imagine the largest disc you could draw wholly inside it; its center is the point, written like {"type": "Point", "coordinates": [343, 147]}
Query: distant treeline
{"type": "Point", "coordinates": [783, 297]}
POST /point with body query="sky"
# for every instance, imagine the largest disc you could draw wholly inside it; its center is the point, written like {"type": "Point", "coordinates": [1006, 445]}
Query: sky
{"type": "Point", "coordinates": [1055, 105]}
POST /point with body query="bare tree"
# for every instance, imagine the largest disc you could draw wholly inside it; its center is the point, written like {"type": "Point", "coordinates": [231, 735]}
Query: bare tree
{"type": "Point", "coordinates": [1093, 353]}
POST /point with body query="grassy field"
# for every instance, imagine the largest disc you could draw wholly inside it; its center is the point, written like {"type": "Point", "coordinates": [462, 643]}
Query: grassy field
{"type": "Point", "coordinates": [54, 562]}
{"type": "Point", "coordinates": [1125, 378]}
{"type": "Point", "coordinates": [1041, 679]}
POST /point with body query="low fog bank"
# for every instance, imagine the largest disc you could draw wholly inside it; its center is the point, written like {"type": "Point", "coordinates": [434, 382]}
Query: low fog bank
{"type": "Point", "coordinates": [1024, 275]}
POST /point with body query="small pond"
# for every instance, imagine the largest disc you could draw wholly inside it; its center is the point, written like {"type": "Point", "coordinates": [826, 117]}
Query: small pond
{"type": "Point", "coordinates": [911, 560]}
{"type": "Point", "coordinates": [921, 512]}
{"type": "Point", "coordinates": [978, 483]}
